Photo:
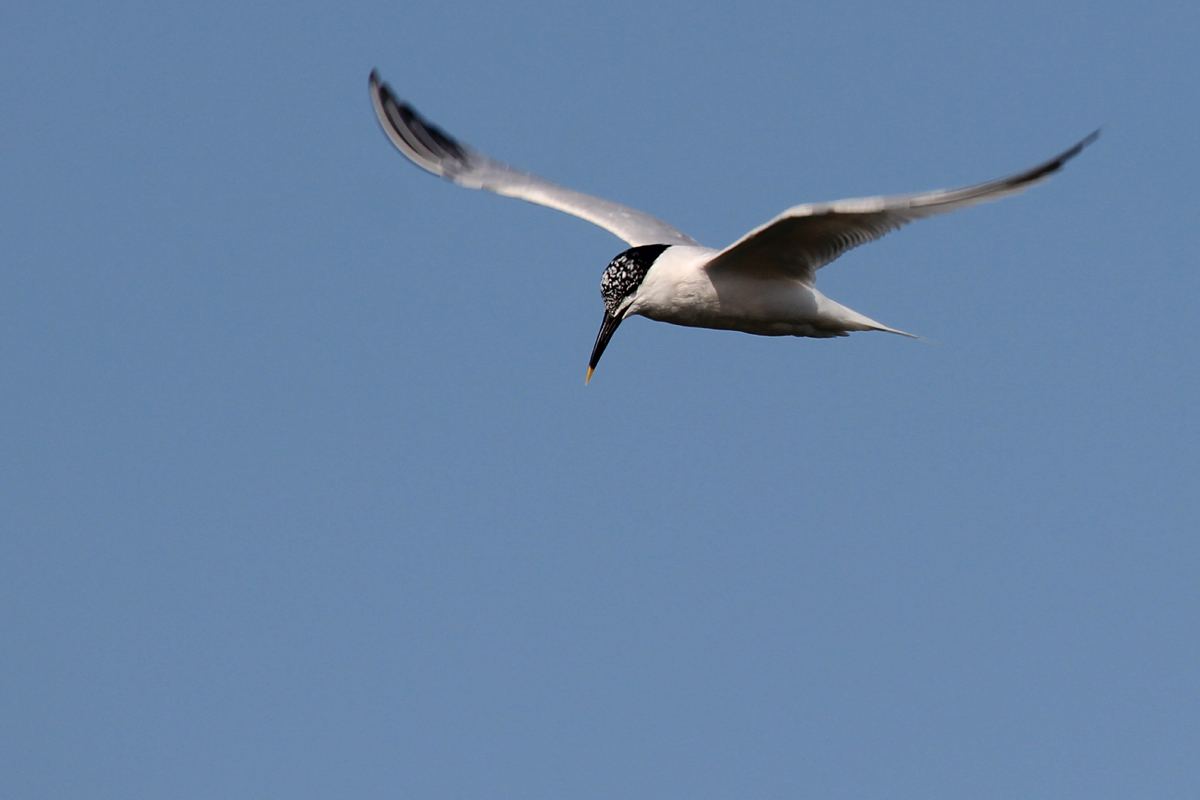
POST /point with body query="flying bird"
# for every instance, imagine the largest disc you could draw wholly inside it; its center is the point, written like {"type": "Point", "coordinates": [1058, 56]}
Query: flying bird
{"type": "Point", "coordinates": [764, 283]}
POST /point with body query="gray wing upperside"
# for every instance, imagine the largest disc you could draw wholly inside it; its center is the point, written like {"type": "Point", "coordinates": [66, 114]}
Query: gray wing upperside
{"type": "Point", "coordinates": [436, 151]}
{"type": "Point", "coordinates": [805, 238]}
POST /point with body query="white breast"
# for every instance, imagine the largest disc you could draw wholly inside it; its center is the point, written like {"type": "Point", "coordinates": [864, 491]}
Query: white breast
{"type": "Point", "coordinates": [678, 289]}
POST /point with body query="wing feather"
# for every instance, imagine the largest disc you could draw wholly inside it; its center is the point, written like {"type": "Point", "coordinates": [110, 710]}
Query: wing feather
{"type": "Point", "coordinates": [436, 151]}
{"type": "Point", "coordinates": [805, 238]}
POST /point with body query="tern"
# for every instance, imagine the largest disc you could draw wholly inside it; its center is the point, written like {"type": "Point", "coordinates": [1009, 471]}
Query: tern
{"type": "Point", "coordinates": [764, 283]}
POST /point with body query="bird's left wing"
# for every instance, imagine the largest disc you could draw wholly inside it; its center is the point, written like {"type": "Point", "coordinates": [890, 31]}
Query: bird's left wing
{"type": "Point", "coordinates": [434, 150]}
{"type": "Point", "coordinates": [805, 238]}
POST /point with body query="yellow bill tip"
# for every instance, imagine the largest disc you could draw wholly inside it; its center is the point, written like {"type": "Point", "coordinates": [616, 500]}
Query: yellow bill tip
{"type": "Point", "coordinates": [589, 375]}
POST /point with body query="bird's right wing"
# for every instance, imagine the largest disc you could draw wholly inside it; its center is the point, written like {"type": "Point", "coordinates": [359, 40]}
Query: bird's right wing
{"type": "Point", "coordinates": [434, 150]}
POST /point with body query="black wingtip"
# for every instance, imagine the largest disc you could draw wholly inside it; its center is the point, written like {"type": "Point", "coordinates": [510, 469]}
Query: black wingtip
{"type": "Point", "coordinates": [421, 141]}
{"type": "Point", "coordinates": [1074, 151]}
{"type": "Point", "coordinates": [1056, 163]}
{"type": "Point", "coordinates": [378, 86]}
{"type": "Point", "coordinates": [385, 93]}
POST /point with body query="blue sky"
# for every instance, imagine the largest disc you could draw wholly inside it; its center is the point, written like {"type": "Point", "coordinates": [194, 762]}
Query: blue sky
{"type": "Point", "coordinates": [302, 494]}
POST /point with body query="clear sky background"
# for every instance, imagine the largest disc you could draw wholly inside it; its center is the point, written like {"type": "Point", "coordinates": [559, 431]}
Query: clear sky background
{"type": "Point", "coordinates": [302, 494]}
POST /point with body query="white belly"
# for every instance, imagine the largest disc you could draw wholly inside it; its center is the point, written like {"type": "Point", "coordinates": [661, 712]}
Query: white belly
{"type": "Point", "coordinates": [678, 289]}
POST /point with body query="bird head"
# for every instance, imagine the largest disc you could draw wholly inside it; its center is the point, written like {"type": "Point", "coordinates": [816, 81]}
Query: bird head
{"type": "Point", "coordinates": [619, 286]}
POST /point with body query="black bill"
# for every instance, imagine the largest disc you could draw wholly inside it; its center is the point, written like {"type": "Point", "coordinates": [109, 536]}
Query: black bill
{"type": "Point", "coordinates": [607, 328]}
